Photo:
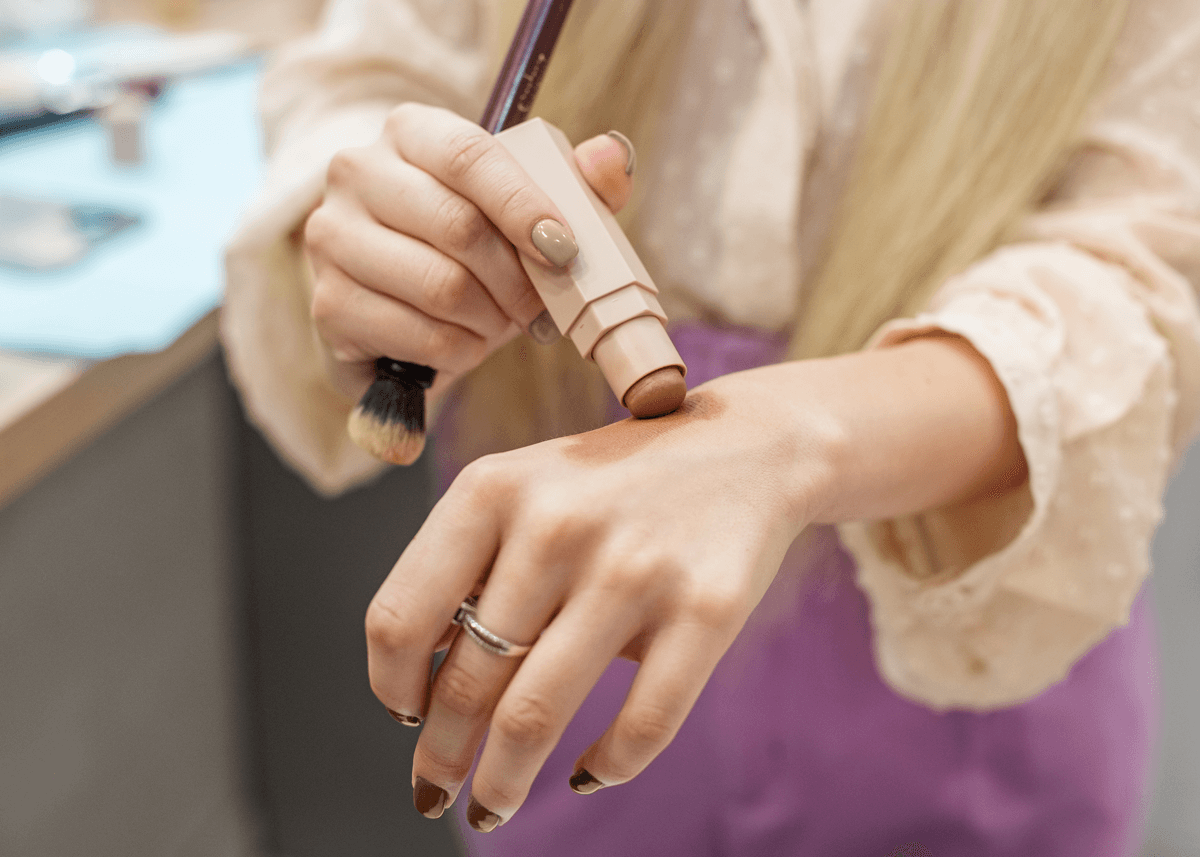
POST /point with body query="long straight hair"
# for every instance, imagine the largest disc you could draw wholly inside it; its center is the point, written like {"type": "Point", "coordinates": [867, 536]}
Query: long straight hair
{"type": "Point", "coordinates": [976, 108]}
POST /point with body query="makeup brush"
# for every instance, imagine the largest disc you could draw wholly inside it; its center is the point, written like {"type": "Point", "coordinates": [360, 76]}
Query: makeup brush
{"type": "Point", "coordinates": [389, 422]}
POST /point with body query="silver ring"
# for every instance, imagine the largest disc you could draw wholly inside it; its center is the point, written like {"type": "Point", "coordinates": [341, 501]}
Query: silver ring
{"type": "Point", "coordinates": [494, 643]}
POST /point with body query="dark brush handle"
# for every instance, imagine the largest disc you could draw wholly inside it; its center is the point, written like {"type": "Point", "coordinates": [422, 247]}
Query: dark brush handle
{"type": "Point", "coordinates": [525, 64]}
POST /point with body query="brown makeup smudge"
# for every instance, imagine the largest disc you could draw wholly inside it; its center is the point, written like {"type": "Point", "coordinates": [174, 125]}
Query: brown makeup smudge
{"type": "Point", "coordinates": [621, 440]}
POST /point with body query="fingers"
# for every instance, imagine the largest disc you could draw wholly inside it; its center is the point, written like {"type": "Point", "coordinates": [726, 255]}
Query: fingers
{"type": "Point", "coordinates": [359, 324]}
{"type": "Point", "coordinates": [606, 162]}
{"type": "Point", "coordinates": [677, 666]}
{"type": "Point", "coordinates": [409, 200]}
{"type": "Point", "coordinates": [472, 163]}
{"type": "Point", "coordinates": [409, 270]}
{"type": "Point", "coordinates": [539, 702]}
{"type": "Point", "coordinates": [441, 565]}
{"type": "Point", "coordinates": [516, 605]}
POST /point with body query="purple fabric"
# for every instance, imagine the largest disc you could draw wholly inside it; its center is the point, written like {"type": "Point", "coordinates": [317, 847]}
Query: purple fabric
{"type": "Point", "coordinates": [796, 747]}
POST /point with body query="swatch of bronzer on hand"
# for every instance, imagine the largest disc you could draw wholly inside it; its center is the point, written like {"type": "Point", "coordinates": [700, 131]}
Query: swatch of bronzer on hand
{"type": "Point", "coordinates": [621, 440]}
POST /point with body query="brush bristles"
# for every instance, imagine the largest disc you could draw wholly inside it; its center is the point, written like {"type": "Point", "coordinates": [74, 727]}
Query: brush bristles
{"type": "Point", "coordinates": [389, 422]}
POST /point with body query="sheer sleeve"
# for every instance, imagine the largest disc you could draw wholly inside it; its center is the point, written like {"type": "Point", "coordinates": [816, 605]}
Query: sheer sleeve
{"type": "Point", "coordinates": [1092, 324]}
{"type": "Point", "coordinates": [331, 91]}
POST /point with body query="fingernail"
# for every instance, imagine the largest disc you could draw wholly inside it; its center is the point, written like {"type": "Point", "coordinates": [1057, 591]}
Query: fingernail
{"type": "Point", "coordinates": [543, 329]}
{"type": "Point", "coordinates": [630, 152]}
{"type": "Point", "coordinates": [405, 719]}
{"type": "Point", "coordinates": [429, 800]}
{"type": "Point", "coordinates": [480, 817]}
{"type": "Point", "coordinates": [584, 783]}
{"type": "Point", "coordinates": [554, 242]}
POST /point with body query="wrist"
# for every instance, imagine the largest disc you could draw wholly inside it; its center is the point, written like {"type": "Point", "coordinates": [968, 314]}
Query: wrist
{"type": "Point", "coordinates": [796, 445]}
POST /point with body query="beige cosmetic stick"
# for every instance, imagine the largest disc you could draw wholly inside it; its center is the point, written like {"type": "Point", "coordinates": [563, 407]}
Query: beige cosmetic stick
{"type": "Point", "coordinates": [604, 300]}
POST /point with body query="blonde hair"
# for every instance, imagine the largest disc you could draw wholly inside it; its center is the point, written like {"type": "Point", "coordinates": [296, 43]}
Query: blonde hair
{"type": "Point", "coordinates": [976, 107]}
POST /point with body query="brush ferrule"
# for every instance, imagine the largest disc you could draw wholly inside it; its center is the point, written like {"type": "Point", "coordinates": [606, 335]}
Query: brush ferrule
{"type": "Point", "coordinates": [406, 373]}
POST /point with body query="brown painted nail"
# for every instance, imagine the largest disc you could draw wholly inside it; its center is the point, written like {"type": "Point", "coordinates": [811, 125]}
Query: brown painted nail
{"type": "Point", "coordinates": [480, 817]}
{"type": "Point", "coordinates": [404, 719]}
{"type": "Point", "coordinates": [584, 783]}
{"type": "Point", "coordinates": [429, 800]}
{"type": "Point", "coordinates": [630, 152]}
{"type": "Point", "coordinates": [543, 329]}
{"type": "Point", "coordinates": [554, 242]}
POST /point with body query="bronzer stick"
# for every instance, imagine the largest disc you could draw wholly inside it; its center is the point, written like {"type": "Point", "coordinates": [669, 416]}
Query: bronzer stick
{"type": "Point", "coordinates": [604, 299]}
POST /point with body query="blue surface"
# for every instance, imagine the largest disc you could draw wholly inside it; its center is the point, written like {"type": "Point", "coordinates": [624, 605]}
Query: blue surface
{"type": "Point", "coordinates": [140, 290]}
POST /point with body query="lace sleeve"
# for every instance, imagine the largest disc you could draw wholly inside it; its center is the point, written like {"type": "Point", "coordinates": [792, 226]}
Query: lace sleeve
{"type": "Point", "coordinates": [1092, 325]}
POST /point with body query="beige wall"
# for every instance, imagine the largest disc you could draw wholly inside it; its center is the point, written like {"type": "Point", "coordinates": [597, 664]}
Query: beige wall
{"type": "Point", "coordinates": [271, 21]}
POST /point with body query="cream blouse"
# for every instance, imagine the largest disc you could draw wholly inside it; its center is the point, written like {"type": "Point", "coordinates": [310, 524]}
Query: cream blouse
{"type": "Point", "coordinates": [1091, 322]}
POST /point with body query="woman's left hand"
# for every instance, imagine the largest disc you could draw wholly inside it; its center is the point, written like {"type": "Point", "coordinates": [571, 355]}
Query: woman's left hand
{"type": "Point", "coordinates": [652, 540]}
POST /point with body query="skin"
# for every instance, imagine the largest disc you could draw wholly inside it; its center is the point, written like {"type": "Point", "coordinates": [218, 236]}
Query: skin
{"type": "Point", "coordinates": [648, 539]}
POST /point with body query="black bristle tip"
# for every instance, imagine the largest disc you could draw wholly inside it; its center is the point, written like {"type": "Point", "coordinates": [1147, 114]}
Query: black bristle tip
{"type": "Point", "coordinates": [397, 395]}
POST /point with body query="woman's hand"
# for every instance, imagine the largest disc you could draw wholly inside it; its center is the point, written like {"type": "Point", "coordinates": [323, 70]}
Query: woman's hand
{"type": "Point", "coordinates": [648, 539]}
{"type": "Point", "coordinates": [412, 247]}
{"type": "Point", "coordinates": [655, 540]}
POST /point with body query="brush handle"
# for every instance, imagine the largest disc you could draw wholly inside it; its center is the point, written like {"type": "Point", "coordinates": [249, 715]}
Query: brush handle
{"type": "Point", "coordinates": [525, 64]}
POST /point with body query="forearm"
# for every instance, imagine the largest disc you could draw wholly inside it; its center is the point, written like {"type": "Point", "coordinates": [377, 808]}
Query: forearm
{"type": "Point", "coordinates": [899, 430]}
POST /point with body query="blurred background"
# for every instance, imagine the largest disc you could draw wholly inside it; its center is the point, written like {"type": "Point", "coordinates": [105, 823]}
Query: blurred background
{"type": "Point", "coordinates": [182, 665]}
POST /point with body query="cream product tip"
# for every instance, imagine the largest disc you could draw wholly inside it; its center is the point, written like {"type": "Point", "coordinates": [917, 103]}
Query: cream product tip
{"type": "Point", "coordinates": [661, 392]}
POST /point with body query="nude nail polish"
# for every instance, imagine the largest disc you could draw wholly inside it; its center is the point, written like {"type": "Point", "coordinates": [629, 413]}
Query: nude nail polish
{"type": "Point", "coordinates": [554, 242]}
{"type": "Point", "coordinates": [582, 782]}
{"type": "Point", "coordinates": [404, 719]}
{"type": "Point", "coordinates": [630, 152]}
{"type": "Point", "coordinates": [543, 329]}
{"type": "Point", "coordinates": [480, 817]}
{"type": "Point", "coordinates": [429, 800]}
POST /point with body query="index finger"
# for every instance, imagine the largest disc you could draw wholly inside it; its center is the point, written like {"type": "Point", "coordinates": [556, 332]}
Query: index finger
{"type": "Point", "coordinates": [470, 161]}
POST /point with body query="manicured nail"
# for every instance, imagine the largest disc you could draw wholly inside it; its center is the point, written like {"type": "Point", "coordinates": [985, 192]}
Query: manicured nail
{"type": "Point", "coordinates": [429, 800]}
{"type": "Point", "coordinates": [630, 152]}
{"type": "Point", "coordinates": [543, 329]}
{"type": "Point", "coordinates": [480, 817]}
{"type": "Point", "coordinates": [584, 783]}
{"type": "Point", "coordinates": [554, 242]}
{"type": "Point", "coordinates": [404, 719]}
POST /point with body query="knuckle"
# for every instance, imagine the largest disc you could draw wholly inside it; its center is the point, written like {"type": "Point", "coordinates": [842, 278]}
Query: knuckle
{"type": "Point", "coordinates": [526, 721]}
{"type": "Point", "coordinates": [466, 149]}
{"type": "Point", "coordinates": [445, 767]}
{"type": "Point", "coordinates": [445, 286]}
{"type": "Point", "coordinates": [344, 167]}
{"type": "Point", "coordinates": [515, 199]}
{"type": "Point", "coordinates": [388, 625]}
{"type": "Point", "coordinates": [630, 579]}
{"type": "Point", "coordinates": [325, 305]}
{"type": "Point", "coordinates": [461, 691]}
{"type": "Point", "coordinates": [646, 730]}
{"type": "Point", "coordinates": [713, 608]}
{"type": "Point", "coordinates": [398, 120]}
{"type": "Point", "coordinates": [320, 229]}
{"type": "Point", "coordinates": [482, 479]}
{"type": "Point", "coordinates": [461, 224]}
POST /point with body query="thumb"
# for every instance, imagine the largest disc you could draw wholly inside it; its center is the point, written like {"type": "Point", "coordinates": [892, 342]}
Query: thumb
{"type": "Point", "coordinates": [607, 163]}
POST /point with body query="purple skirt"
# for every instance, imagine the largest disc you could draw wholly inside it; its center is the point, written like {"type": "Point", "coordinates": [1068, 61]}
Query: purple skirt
{"type": "Point", "coordinates": [796, 747]}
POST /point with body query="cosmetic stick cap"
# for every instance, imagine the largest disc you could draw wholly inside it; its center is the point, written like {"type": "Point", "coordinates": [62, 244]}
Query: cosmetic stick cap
{"type": "Point", "coordinates": [632, 352]}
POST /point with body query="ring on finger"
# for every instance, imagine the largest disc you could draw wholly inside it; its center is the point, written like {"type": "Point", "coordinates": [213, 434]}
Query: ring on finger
{"type": "Point", "coordinates": [481, 636]}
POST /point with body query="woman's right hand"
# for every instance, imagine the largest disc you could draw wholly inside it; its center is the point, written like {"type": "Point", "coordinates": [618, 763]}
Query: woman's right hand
{"type": "Point", "coordinates": [414, 246]}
